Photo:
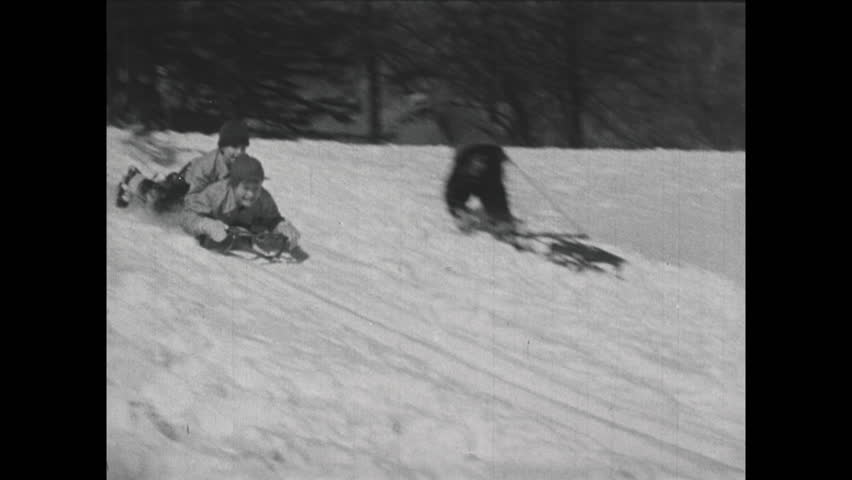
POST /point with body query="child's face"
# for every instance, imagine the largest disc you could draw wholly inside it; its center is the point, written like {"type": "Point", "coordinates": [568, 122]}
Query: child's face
{"type": "Point", "coordinates": [231, 152]}
{"type": "Point", "coordinates": [247, 192]}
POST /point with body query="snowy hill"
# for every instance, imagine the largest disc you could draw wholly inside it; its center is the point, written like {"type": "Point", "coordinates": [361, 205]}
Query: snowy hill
{"type": "Point", "coordinates": [403, 349]}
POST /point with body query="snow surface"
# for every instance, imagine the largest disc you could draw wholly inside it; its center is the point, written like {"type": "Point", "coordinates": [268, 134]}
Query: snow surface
{"type": "Point", "coordinates": [402, 349]}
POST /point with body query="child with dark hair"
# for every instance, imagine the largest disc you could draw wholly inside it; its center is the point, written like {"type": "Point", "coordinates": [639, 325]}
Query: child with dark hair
{"type": "Point", "coordinates": [192, 178]}
{"type": "Point", "coordinates": [477, 163]}
{"type": "Point", "coordinates": [237, 201]}
{"type": "Point", "coordinates": [478, 172]}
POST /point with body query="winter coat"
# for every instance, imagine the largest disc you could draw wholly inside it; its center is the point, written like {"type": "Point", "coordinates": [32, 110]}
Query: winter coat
{"type": "Point", "coordinates": [205, 170]}
{"type": "Point", "coordinates": [218, 202]}
{"type": "Point", "coordinates": [486, 184]}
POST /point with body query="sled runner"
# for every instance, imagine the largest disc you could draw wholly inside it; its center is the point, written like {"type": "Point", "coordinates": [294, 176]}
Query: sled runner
{"type": "Point", "coordinates": [243, 243]}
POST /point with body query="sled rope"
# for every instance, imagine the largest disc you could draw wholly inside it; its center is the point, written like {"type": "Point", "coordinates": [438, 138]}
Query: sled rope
{"type": "Point", "coordinates": [541, 190]}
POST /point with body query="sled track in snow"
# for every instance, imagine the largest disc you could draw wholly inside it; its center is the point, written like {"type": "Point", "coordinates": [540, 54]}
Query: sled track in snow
{"type": "Point", "coordinates": [502, 389]}
{"type": "Point", "coordinates": [391, 294]}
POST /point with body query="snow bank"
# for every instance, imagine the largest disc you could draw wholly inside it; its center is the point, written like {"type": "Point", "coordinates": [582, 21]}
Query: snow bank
{"type": "Point", "coordinates": [402, 349]}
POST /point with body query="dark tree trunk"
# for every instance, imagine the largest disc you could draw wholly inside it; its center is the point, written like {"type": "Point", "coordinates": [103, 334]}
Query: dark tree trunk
{"type": "Point", "coordinates": [374, 87]}
{"type": "Point", "coordinates": [521, 120]}
{"type": "Point", "coordinates": [572, 111]}
{"type": "Point", "coordinates": [375, 98]}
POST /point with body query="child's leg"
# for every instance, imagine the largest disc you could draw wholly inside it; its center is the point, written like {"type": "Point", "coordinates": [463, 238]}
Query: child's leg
{"type": "Point", "coordinates": [125, 190]}
{"type": "Point", "coordinates": [170, 193]}
{"type": "Point", "coordinates": [134, 184]}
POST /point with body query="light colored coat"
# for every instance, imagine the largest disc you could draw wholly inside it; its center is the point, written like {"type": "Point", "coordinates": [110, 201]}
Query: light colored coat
{"type": "Point", "coordinates": [205, 170]}
{"type": "Point", "coordinates": [218, 202]}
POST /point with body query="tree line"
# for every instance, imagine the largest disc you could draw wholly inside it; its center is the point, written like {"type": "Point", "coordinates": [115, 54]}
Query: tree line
{"type": "Point", "coordinates": [571, 74]}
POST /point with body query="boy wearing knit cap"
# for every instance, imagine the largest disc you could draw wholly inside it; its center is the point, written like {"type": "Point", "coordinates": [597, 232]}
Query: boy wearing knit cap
{"type": "Point", "coordinates": [193, 177]}
{"type": "Point", "coordinates": [238, 201]}
{"type": "Point", "coordinates": [214, 166]}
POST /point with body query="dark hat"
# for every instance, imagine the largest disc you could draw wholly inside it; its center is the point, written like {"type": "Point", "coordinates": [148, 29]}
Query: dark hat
{"type": "Point", "coordinates": [234, 133]}
{"type": "Point", "coordinates": [245, 167]}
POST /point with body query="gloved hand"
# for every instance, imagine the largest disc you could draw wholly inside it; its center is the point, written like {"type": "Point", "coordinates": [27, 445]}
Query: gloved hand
{"type": "Point", "coordinates": [466, 221]}
{"type": "Point", "coordinates": [288, 230]}
{"type": "Point", "coordinates": [503, 227]}
{"type": "Point", "coordinates": [216, 230]}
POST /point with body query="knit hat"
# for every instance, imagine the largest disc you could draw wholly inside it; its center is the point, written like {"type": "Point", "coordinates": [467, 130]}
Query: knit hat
{"type": "Point", "coordinates": [244, 168]}
{"type": "Point", "coordinates": [234, 133]}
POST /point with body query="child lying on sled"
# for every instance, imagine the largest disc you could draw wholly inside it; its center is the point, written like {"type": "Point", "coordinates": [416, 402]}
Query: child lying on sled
{"type": "Point", "coordinates": [237, 201]}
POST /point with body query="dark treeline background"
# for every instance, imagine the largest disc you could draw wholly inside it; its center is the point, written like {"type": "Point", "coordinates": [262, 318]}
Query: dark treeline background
{"type": "Point", "coordinates": [579, 75]}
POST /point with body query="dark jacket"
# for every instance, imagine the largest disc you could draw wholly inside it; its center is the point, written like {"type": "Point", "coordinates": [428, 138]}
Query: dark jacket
{"type": "Point", "coordinates": [478, 171]}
